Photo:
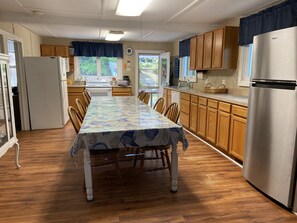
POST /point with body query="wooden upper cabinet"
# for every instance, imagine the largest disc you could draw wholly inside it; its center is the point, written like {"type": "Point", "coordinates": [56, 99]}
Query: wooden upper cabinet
{"type": "Point", "coordinates": [217, 50]}
{"type": "Point", "coordinates": [62, 51]}
{"type": "Point", "coordinates": [47, 50]}
{"type": "Point", "coordinates": [207, 50]}
{"type": "Point", "coordinates": [225, 48]}
{"type": "Point", "coordinates": [193, 53]}
{"type": "Point", "coordinates": [199, 52]}
{"type": "Point", "coordinates": [54, 50]}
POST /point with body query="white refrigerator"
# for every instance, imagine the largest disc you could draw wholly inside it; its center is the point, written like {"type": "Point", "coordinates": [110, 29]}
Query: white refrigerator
{"type": "Point", "coordinates": [47, 92]}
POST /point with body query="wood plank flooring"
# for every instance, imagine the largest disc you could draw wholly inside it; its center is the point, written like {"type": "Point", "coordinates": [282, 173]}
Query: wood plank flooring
{"type": "Point", "coordinates": [49, 188]}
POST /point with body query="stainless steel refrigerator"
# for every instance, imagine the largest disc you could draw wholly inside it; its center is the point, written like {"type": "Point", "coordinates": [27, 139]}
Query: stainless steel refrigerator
{"type": "Point", "coordinates": [47, 92]}
{"type": "Point", "coordinates": [271, 145]}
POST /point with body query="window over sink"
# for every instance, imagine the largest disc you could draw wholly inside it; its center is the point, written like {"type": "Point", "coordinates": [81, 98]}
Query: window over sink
{"type": "Point", "coordinates": [245, 65]}
{"type": "Point", "coordinates": [105, 67]}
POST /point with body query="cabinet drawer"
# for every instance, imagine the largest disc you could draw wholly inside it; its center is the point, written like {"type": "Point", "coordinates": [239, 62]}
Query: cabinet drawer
{"type": "Point", "coordinates": [239, 111]}
{"type": "Point", "coordinates": [121, 90]}
{"type": "Point", "coordinates": [224, 107]}
{"type": "Point", "coordinates": [202, 101]}
{"type": "Point", "coordinates": [212, 103]}
{"type": "Point", "coordinates": [185, 96]}
{"type": "Point", "coordinates": [75, 89]}
{"type": "Point", "coordinates": [194, 99]}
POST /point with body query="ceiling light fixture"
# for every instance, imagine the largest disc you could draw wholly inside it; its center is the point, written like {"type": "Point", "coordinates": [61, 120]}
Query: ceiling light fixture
{"type": "Point", "coordinates": [114, 35]}
{"type": "Point", "coordinates": [131, 7]}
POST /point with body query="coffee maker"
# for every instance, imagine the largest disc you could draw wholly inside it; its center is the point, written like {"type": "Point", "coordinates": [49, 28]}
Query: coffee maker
{"type": "Point", "coordinates": [127, 78]}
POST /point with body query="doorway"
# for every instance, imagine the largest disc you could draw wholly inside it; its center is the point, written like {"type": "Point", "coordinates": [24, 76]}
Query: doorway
{"type": "Point", "coordinates": [152, 72]}
{"type": "Point", "coordinates": [148, 74]}
{"type": "Point", "coordinates": [13, 65]}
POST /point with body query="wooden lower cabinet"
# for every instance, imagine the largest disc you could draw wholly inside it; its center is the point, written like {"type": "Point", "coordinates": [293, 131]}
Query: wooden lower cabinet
{"type": "Point", "coordinates": [193, 113]}
{"type": "Point", "coordinates": [211, 125]}
{"type": "Point", "coordinates": [223, 128]}
{"type": "Point", "coordinates": [237, 131]}
{"type": "Point", "coordinates": [73, 93]}
{"type": "Point", "coordinates": [185, 109]}
{"type": "Point", "coordinates": [202, 115]}
{"type": "Point", "coordinates": [212, 119]}
{"type": "Point", "coordinates": [168, 98]}
{"type": "Point", "coordinates": [121, 91]}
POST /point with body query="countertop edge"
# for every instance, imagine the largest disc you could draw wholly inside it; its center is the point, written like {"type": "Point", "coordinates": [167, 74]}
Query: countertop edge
{"type": "Point", "coordinates": [229, 98]}
{"type": "Point", "coordinates": [77, 86]}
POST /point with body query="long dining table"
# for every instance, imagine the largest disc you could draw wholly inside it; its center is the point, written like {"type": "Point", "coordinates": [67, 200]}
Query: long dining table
{"type": "Point", "coordinates": [124, 122]}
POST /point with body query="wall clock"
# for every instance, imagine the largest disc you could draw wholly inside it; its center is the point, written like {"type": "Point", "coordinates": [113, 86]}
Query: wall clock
{"type": "Point", "coordinates": [129, 51]}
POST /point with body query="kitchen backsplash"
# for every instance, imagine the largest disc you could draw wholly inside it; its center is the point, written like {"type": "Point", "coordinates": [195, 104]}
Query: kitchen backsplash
{"type": "Point", "coordinates": [215, 77]}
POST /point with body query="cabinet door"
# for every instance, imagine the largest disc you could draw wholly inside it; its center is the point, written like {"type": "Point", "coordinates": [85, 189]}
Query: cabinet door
{"type": "Point", "coordinates": [47, 50]}
{"type": "Point", "coordinates": [192, 53]}
{"type": "Point", "coordinates": [184, 119]}
{"type": "Point", "coordinates": [237, 136]}
{"type": "Point", "coordinates": [223, 130]}
{"type": "Point", "coordinates": [201, 124]}
{"type": "Point", "coordinates": [199, 52]}
{"type": "Point", "coordinates": [211, 125]}
{"type": "Point", "coordinates": [185, 106]}
{"type": "Point", "coordinates": [62, 51]}
{"type": "Point", "coordinates": [207, 50]}
{"type": "Point", "coordinates": [218, 47]}
{"type": "Point", "coordinates": [193, 116]}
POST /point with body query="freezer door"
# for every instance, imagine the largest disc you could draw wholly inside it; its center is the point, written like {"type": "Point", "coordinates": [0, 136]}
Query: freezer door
{"type": "Point", "coordinates": [275, 55]}
{"type": "Point", "coordinates": [270, 148]}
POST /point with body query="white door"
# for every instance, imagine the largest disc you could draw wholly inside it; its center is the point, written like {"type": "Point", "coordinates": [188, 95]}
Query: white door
{"type": "Point", "coordinates": [164, 69]}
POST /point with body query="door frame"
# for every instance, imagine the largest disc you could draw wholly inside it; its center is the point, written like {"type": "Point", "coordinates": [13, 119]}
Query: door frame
{"type": "Point", "coordinates": [137, 52]}
{"type": "Point", "coordinates": [23, 100]}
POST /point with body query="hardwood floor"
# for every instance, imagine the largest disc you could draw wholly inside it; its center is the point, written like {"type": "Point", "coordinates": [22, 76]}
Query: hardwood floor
{"type": "Point", "coordinates": [49, 188]}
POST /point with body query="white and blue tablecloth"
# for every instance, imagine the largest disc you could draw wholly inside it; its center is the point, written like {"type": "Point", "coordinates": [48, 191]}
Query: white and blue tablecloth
{"type": "Point", "coordinates": [121, 122]}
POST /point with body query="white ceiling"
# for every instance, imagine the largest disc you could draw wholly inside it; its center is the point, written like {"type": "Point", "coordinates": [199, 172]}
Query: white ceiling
{"type": "Point", "coordinates": [163, 20]}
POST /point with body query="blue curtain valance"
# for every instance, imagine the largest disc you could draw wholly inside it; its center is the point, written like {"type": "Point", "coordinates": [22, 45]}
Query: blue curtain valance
{"type": "Point", "coordinates": [97, 49]}
{"type": "Point", "coordinates": [184, 48]}
{"type": "Point", "coordinates": [277, 17]}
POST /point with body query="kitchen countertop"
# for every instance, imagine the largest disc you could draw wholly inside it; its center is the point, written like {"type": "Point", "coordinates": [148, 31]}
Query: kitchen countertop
{"type": "Point", "coordinates": [230, 98]}
{"type": "Point", "coordinates": [83, 85]}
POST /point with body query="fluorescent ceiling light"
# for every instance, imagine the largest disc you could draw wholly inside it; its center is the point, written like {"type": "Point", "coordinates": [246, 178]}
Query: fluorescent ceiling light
{"type": "Point", "coordinates": [114, 35]}
{"type": "Point", "coordinates": [131, 7]}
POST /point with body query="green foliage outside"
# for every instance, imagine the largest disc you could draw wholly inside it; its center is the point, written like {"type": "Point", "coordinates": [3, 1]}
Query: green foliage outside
{"type": "Point", "coordinates": [149, 63]}
{"type": "Point", "coordinates": [88, 66]}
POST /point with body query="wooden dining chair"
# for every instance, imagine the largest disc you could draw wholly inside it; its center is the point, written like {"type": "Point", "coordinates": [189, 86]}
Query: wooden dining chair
{"type": "Point", "coordinates": [99, 156]}
{"type": "Point", "coordinates": [141, 95]}
{"type": "Point", "coordinates": [74, 118]}
{"type": "Point", "coordinates": [172, 113]}
{"type": "Point", "coordinates": [146, 98]}
{"type": "Point", "coordinates": [87, 97]}
{"type": "Point", "coordinates": [159, 106]}
{"type": "Point", "coordinates": [82, 110]}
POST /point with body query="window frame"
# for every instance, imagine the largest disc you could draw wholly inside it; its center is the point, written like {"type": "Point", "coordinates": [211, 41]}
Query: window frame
{"type": "Point", "coordinates": [245, 64]}
{"type": "Point", "coordinates": [185, 75]}
{"type": "Point", "coordinates": [79, 77]}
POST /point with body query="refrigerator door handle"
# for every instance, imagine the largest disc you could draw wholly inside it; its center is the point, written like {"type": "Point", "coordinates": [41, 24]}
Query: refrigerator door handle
{"type": "Point", "coordinates": [274, 84]}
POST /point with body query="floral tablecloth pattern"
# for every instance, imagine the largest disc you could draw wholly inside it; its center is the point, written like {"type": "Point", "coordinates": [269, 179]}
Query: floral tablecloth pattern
{"type": "Point", "coordinates": [125, 121]}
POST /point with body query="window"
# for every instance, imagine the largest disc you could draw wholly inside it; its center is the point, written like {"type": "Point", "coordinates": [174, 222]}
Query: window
{"type": "Point", "coordinates": [185, 74]}
{"type": "Point", "coordinates": [245, 65]}
{"type": "Point", "coordinates": [106, 67]}
{"type": "Point", "coordinates": [12, 63]}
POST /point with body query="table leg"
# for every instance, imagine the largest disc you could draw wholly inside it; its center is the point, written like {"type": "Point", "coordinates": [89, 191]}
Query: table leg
{"type": "Point", "coordinates": [174, 168]}
{"type": "Point", "coordinates": [16, 156]}
{"type": "Point", "coordinates": [88, 175]}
